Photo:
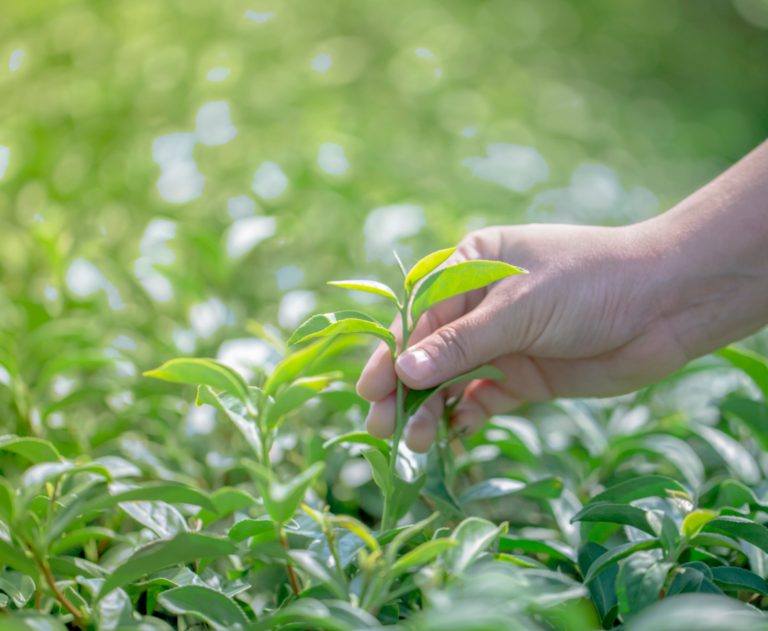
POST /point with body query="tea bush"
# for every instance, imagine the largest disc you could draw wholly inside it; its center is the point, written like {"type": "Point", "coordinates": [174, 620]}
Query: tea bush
{"type": "Point", "coordinates": [178, 181]}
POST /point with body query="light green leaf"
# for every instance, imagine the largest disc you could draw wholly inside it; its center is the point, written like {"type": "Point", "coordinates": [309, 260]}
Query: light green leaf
{"type": "Point", "coordinates": [696, 520]}
{"type": "Point", "coordinates": [603, 588]}
{"type": "Point", "coordinates": [472, 537]}
{"type": "Point", "coordinates": [421, 555]}
{"type": "Point", "coordinates": [15, 558]}
{"type": "Point", "coordinates": [226, 500]}
{"type": "Point", "coordinates": [416, 398]}
{"type": "Point", "coordinates": [614, 555]}
{"type": "Point", "coordinates": [342, 322]}
{"type": "Point", "coordinates": [380, 470]}
{"type": "Point", "coordinates": [251, 528]}
{"type": "Point", "coordinates": [368, 286]}
{"type": "Point", "coordinates": [362, 438]}
{"type": "Point", "coordinates": [640, 581]}
{"type": "Point", "coordinates": [426, 266]}
{"type": "Point", "coordinates": [614, 513]}
{"type": "Point", "coordinates": [34, 449]}
{"type": "Point", "coordinates": [754, 364]}
{"type": "Point", "coordinates": [295, 396]}
{"type": "Point", "coordinates": [18, 586]}
{"type": "Point", "coordinates": [733, 453]}
{"type": "Point", "coordinates": [218, 610]}
{"type": "Point", "coordinates": [501, 487]}
{"type": "Point", "coordinates": [739, 579]}
{"type": "Point", "coordinates": [640, 487]}
{"type": "Point", "coordinates": [458, 279]}
{"type": "Point", "coordinates": [282, 500]}
{"type": "Point", "coordinates": [198, 371]}
{"type": "Point", "coordinates": [358, 528]}
{"type": "Point", "coordinates": [185, 547]}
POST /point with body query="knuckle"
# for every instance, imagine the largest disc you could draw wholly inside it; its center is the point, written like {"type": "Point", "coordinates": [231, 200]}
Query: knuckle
{"type": "Point", "coordinates": [455, 345]}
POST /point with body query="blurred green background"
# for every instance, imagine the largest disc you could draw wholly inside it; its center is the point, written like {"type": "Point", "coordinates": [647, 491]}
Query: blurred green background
{"type": "Point", "coordinates": [173, 169]}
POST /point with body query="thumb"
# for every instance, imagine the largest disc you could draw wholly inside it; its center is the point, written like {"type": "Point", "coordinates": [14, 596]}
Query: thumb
{"type": "Point", "coordinates": [458, 347]}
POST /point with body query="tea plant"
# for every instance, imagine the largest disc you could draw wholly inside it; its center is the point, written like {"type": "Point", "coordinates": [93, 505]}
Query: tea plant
{"type": "Point", "coordinates": [672, 509]}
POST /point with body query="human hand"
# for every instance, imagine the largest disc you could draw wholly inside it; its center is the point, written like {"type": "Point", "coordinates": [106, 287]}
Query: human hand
{"type": "Point", "coordinates": [583, 322]}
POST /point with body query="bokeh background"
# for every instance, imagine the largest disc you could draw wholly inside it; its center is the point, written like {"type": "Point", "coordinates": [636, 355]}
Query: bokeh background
{"type": "Point", "coordinates": [183, 177]}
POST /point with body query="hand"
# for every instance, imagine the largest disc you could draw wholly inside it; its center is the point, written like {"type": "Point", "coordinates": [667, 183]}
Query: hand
{"type": "Point", "coordinates": [584, 322]}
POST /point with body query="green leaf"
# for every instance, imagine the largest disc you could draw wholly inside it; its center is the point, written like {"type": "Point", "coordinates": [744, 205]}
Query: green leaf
{"type": "Point", "coordinates": [236, 412]}
{"type": "Point", "coordinates": [753, 414]}
{"type": "Point", "coordinates": [282, 500]}
{"type": "Point", "coordinates": [639, 488]}
{"type": "Point", "coordinates": [15, 558]}
{"type": "Point", "coordinates": [696, 520]}
{"type": "Point", "coordinates": [472, 536]}
{"type": "Point", "coordinates": [299, 361]}
{"type": "Point", "coordinates": [733, 453]}
{"type": "Point", "coordinates": [603, 588]}
{"type": "Point", "coordinates": [78, 538]}
{"type": "Point", "coordinates": [170, 492]}
{"type": "Point", "coordinates": [614, 555]}
{"type": "Point", "coordinates": [7, 501]}
{"type": "Point", "coordinates": [295, 396]}
{"type": "Point", "coordinates": [501, 487]}
{"type": "Point", "coordinates": [640, 581]}
{"type": "Point", "coordinates": [739, 579]}
{"type": "Point", "coordinates": [458, 279]}
{"type": "Point", "coordinates": [18, 586]}
{"type": "Point", "coordinates": [199, 371]}
{"type": "Point", "coordinates": [754, 364]}
{"type": "Point", "coordinates": [664, 527]}
{"type": "Point", "coordinates": [27, 620]}
{"type": "Point", "coordinates": [226, 500]}
{"type": "Point", "coordinates": [361, 438]}
{"type": "Point", "coordinates": [185, 547]}
{"type": "Point", "coordinates": [251, 528]}
{"type": "Point", "coordinates": [343, 322]}
{"type": "Point", "coordinates": [309, 563]}
{"type": "Point", "coordinates": [426, 266]}
{"type": "Point", "coordinates": [693, 578]}
{"type": "Point", "coordinates": [34, 449]}
{"type": "Point", "coordinates": [404, 495]}
{"type": "Point", "coordinates": [614, 513]}
{"type": "Point", "coordinates": [380, 470]}
{"type": "Point", "coordinates": [421, 555]}
{"type": "Point", "coordinates": [416, 398]}
{"type": "Point", "coordinates": [740, 528]}
{"type": "Point", "coordinates": [368, 286]}
{"type": "Point", "coordinates": [554, 549]}
{"type": "Point", "coordinates": [216, 609]}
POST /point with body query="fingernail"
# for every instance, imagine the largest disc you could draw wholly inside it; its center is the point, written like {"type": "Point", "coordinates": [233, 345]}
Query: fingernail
{"type": "Point", "coordinates": [416, 364]}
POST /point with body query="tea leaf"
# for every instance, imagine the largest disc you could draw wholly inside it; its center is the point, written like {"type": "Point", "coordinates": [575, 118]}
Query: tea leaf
{"type": "Point", "coordinates": [380, 470]}
{"type": "Point", "coordinates": [421, 555]}
{"type": "Point", "coordinates": [457, 279]}
{"type": "Point", "coordinates": [472, 536]}
{"type": "Point", "coordinates": [282, 500]}
{"type": "Point", "coordinates": [342, 322]}
{"type": "Point", "coordinates": [295, 396]}
{"type": "Point", "coordinates": [696, 520]}
{"type": "Point", "coordinates": [361, 438]}
{"type": "Point", "coordinates": [416, 398]}
{"type": "Point", "coordinates": [501, 487]}
{"type": "Point", "coordinates": [754, 364]}
{"type": "Point", "coordinates": [639, 488]}
{"type": "Point", "coordinates": [614, 555]}
{"type": "Point", "coordinates": [614, 513]}
{"type": "Point", "coordinates": [640, 580]}
{"type": "Point", "coordinates": [368, 286]}
{"type": "Point", "coordinates": [426, 266]}
{"type": "Point", "coordinates": [216, 609]}
{"type": "Point", "coordinates": [603, 588]}
{"type": "Point", "coordinates": [196, 371]}
{"type": "Point", "coordinates": [739, 579]}
{"type": "Point", "coordinates": [740, 528]}
{"type": "Point", "coordinates": [34, 449]}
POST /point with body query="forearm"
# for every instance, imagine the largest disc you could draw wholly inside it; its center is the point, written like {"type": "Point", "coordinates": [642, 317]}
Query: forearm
{"type": "Point", "coordinates": [710, 254]}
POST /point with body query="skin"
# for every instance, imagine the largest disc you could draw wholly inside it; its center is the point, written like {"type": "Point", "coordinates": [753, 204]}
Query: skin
{"type": "Point", "coordinates": [603, 311]}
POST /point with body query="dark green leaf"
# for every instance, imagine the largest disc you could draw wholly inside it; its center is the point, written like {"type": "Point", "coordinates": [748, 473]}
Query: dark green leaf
{"type": "Point", "coordinates": [752, 363]}
{"type": "Point", "coordinates": [13, 557]}
{"type": "Point", "coordinates": [501, 487]}
{"type": "Point", "coordinates": [218, 610]}
{"type": "Point", "coordinates": [307, 561]}
{"type": "Point", "coordinates": [7, 501]}
{"type": "Point", "coordinates": [603, 587]}
{"type": "Point", "coordinates": [185, 547]}
{"type": "Point", "coordinates": [614, 513]}
{"type": "Point", "coordinates": [738, 579]}
{"type": "Point", "coordinates": [405, 494]}
{"type": "Point", "coordinates": [754, 414]}
{"type": "Point", "coordinates": [692, 578]}
{"type": "Point", "coordinates": [614, 555]}
{"type": "Point", "coordinates": [554, 549]}
{"type": "Point", "coordinates": [638, 488]}
{"type": "Point", "coordinates": [740, 528]}
{"type": "Point", "coordinates": [416, 398]}
{"type": "Point", "coordinates": [664, 527]}
{"type": "Point", "coordinates": [427, 265]}
{"type": "Point", "coordinates": [343, 322]}
{"type": "Point", "coordinates": [458, 279]}
{"type": "Point", "coordinates": [640, 581]}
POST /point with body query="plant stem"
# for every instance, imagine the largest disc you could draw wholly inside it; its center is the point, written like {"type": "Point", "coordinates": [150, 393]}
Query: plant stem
{"type": "Point", "coordinates": [65, 602]}
{"type": "Point", "coordinates": [289, 567]}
